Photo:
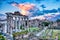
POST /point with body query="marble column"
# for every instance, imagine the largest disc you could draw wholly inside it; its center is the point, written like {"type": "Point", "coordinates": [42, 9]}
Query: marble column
{"type": "Point", "coordinates": [8, 24]}
{"type": "Point", "coordinates": [5, 28]}
{"type": "Point", "coordinates": [19, 23]}
{"type": "Point", "coordinates": [11, 25]}
{"type": "Point", "coordinates": [16, 24]}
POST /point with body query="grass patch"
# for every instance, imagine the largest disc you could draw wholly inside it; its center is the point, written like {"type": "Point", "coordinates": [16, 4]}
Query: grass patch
{"type": "Point", "coordinates": [20, 33]}
{"type": "Point", "coordinates": [56, 32]}
{"type": "Point", "coordinates": [31, 29]}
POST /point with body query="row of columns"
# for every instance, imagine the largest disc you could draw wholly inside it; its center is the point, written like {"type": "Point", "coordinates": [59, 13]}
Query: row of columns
{"type": "Point", "coordinates": [14, 24]}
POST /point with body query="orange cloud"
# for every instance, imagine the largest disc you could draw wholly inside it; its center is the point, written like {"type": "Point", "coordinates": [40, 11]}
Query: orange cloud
{"type": "Point", "coordinates": [24, 8]}
{"type": "Point", "coordinates": [24, 12]}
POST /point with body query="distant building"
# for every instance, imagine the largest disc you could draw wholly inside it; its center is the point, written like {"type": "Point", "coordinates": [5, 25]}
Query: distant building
{"type": "Point", "coordinates": [55, 24]}
{"type": "Point", "coordinates": [35, 23]}
{"type": "Point", "coordinates": [58, 23]}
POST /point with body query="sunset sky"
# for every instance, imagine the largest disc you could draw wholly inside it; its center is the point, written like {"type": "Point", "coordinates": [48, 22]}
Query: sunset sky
{"type": "Point", "coordinates": [32, 8]}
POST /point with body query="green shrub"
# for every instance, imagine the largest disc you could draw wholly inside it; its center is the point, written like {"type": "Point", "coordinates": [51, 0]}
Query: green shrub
{"type": "Point", "coordinates": [21, 27]}
{"type": "Point", "coordinates": [2, 37]}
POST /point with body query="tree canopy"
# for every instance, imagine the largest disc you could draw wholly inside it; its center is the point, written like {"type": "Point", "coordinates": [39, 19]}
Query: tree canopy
{"type": "Point", "coordinates": [45, 23]}
{"type": "Point", "coordinates": [58, 20]}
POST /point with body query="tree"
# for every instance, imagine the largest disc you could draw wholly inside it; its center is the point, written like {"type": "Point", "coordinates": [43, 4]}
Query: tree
{"type": "Point", "coordinates": [21, 27]}
{"type": "Point", "coordinates": [58, 20]}
{"type": "Point", "coordinates": [45, 23]}
{"type": "Point", "coordinates": [2, 37]}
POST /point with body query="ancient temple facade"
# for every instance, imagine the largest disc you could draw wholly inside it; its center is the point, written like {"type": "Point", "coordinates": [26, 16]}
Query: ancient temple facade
{"type": "Point", "coordinates": [15, 21]}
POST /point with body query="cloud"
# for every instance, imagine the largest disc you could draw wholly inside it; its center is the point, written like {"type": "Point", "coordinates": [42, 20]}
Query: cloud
{"type": "Point", "coordinates": [51, 15]}
{"type": "Point", "coordinates": [50, 11]}
{"type": "Point", "coordinates": [59, 9]}
{"type": "Point", "coordinates": [31, 9]}
{"type": "Point", "coordinates": [47, 12]}
{"type": "Point", "coordinates": [38, 17]}
{"type": "Point", "coordinates": [13, 3]}
{"type": "Point", "coordinates": [24, 7]}
{"type": "Point", "coordinates": [43, 6]}
{"type": "Point", "coordinates": [46, 16]}
{"type": "Point", "coordinates": [35, 11]}
{"type": "Point", "coordinates": [2, 16]}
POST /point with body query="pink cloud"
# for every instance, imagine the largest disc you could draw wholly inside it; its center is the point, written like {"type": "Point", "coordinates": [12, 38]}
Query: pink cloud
{"type": "Point", "coordinates": [24, 7]}
{"type": "Point", "coordinates": [38, 17]}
